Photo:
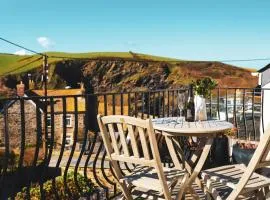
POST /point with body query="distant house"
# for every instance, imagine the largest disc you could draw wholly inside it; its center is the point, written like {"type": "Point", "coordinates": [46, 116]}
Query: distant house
{"type": "Point", "coordinates": [58, 112]}
{"type": "Point", "coordinates": [264, 82]}
{"type": "Point", "coordinates": [36, 107]}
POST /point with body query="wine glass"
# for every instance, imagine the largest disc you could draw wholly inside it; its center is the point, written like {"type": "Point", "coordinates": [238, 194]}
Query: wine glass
{"type": "Point", "coordinates": [181, 100]}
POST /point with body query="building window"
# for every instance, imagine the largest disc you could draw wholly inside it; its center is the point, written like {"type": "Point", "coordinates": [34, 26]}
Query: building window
{"type": "Point", "coordinates": [49, 121]}
{"type": "Point", "coordinates": [68, 121]}
{"type": "Point", "coordinates": [68, 140]}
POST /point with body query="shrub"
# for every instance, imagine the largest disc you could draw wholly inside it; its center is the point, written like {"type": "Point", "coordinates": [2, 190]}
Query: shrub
{"type": "Point", "coordinates": [49, 191]}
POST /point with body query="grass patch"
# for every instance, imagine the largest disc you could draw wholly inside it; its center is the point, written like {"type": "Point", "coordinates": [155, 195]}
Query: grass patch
{"type": "Point", "coordinates": [15, 64]}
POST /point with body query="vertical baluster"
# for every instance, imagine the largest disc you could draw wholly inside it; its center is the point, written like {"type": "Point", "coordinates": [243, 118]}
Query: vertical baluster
{"type": "Point", "coordinates": [45, 137]}
{"type": "Point", "coordinates": [90, 153]}
{"type": "Point", "coordinates": [234, 113]}
{"type": "Point", "coordinates": [96, 174]}
{"type": "Point", "coordinates": [39, 135]}
{"type": "Point", "coordinates": [262, 115]}
{"type": "Point", "coordinates": [5, 163]}
{"type": "Point", "coordinates": [64, 141]}
{"type": "Point", "coordinates": [113, 103]}
{"type": "Point", "coordinates": [143, 99]}
{"type": "Point", "coordinates": [159, 104]}
{"type": "Point", "coordinates": [154, 105]}
{"type": "Point", "coordinates": [244, 114]}
{"type": "Point", "coordinates": [226, 104]}
{"type": "Point", "coordinates": [75, 135]}
{"type": "Point", "coordinates": [122, 104]}
{"type": "Point", "coordinates": [163, 104]}
{"type": "Point", "coordinates": [105, 104]}
{"type": "Point", "coordinates": [210, 102]}
{"type": "Point", "coordinates": [218, 107]}
{"type": "Point", "coordinates": [52, 130]}
{"type": "Point", "coordinates": [135, 103]}
{"type": "Point", "coordinates": [168, 111]}
{"type": "Point", "coordinates": [105, 176]}
{"type": "Point", "coordinates": [22, 148]}
{"type": "Point", "coordinates": [149, 104]}
{"type": "Point", "coordinates": [253, 119]}
{"type": "Point", "coordinates": [64, 109]}
{"type": "Point", "coordinates": [129, 104]}
{"type": "Point", "coordinates": [84, 142]}
{"type": "Point", "coordinates": [173, 97]}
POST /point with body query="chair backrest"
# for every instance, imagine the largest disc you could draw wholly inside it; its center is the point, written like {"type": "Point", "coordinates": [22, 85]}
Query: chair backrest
{"type": "Point", "coordinates": [129, 139]}
{"type": "Point", "coordinates": [260, 158]}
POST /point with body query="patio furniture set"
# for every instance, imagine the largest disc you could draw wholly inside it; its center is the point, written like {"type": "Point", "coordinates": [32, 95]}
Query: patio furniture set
{"type": "Point", "coordinates": [136, 141]}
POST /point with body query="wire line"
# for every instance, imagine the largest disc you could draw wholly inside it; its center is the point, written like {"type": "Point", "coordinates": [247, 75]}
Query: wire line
{"type": "Point", "coordinates": [85, 58]}
{"type": "Point", "coordinates": [17, 45]}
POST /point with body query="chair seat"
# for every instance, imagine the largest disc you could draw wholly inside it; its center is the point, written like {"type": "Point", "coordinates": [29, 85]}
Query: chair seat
{"type": "Point", "coordinates": [220, 181]}
{"type": "Point", "coordinates": [147, 177]}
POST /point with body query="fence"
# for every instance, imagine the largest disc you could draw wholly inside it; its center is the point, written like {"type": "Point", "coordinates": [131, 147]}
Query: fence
{"type": "Point", "coordinates": [44, 137]}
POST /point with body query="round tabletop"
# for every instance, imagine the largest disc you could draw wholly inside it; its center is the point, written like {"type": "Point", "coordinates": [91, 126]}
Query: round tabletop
{"type": "Point", "coordinates": [176, 126]}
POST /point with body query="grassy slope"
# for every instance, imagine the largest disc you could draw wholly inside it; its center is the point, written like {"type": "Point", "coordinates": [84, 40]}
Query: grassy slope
{"type": "Point", "coordinates": [181, 72]}
{"type": "Point", "coordinates": [14, 64]}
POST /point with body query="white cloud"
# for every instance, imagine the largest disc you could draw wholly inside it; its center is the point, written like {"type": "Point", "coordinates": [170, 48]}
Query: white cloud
{"type": "Point", "coordinates": [45, 42]}
{"type": "Point", "coordinates": [131, 43]}
{"type": "Point", "coordinates": [21, 52]}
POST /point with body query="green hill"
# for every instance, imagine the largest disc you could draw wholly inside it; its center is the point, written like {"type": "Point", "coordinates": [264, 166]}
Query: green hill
{"type": "Point", "coordinates": [15, 64]}
{"type": "Point", "coordinates": [116, 71]}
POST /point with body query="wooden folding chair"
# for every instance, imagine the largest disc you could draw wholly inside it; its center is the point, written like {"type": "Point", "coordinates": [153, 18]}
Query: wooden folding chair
{"type": "Point", "coordinates": [239, 181]}
{"type": "Point", "coordinates": [138, 145]}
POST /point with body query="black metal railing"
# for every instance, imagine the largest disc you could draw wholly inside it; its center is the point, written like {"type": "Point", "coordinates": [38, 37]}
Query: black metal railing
{"type": "Point", "coordinates": [50, 146]}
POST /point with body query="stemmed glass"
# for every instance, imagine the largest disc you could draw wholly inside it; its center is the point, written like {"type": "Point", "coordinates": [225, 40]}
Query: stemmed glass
{"type": "Point", "coordinates": [181, 100]}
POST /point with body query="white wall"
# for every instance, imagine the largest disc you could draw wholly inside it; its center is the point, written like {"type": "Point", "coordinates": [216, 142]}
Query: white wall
{"type": "Point", "coordinates": [266, 107]}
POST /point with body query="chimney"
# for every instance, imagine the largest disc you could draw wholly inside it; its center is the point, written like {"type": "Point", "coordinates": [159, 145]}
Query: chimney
{"type": "Point", "coordinates": [82, 88]}
{"type": "Point", "coordinates": [31, 83]}
{"type": "Point", "coordinates": [20, 89]}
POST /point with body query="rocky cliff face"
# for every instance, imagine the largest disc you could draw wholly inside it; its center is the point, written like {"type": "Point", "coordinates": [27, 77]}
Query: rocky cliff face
{"type": "Point", "coordinates": [127, 75]}
{"type": "Point", "coordinates": [119, 75]}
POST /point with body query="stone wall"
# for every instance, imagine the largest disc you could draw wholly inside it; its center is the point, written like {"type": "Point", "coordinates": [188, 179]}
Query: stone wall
{"type": "Point", "coordinates": [14, 124]}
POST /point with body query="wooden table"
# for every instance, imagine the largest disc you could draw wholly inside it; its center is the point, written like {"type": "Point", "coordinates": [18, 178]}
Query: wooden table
{"type": "Point", "coordinates": [173, 127]}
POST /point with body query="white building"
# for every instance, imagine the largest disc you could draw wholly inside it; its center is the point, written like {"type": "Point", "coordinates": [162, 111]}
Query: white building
{"type": "Point", "coordinates": [264, 82]}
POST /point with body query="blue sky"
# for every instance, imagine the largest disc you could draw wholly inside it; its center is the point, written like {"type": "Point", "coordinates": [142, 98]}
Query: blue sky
{"type": "Point", "coordinates": [192, 30]}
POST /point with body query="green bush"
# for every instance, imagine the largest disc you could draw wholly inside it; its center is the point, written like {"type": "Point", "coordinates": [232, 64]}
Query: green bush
{"type": "Point", "coordinates": [60, 189]}
{"type": "Point", "coordinates": [204, 86]}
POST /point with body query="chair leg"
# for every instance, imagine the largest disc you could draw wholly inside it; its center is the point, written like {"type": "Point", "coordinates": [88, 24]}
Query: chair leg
{"type": "Point", "coordinates": [126, 191]}
{"type": "Point", "coordinates": [267, 196]}
{"type": "Point", "coordinates": [208, 196]}
{"type": "Point", "coordinates": [259, 194]}
{"type": "Point", "coordinates": [181, 192]}
{"type": "Point", "coordinates": [266, 190]}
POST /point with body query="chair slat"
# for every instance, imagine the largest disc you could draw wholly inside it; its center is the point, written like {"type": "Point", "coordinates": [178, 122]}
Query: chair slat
{"type": "Point", "coordinates": [144, 143]}
{"type": "Point", "coordinates": [266, 154]}
{"type": "Point", "coordinates": [123, 119]}
{"type": "Point", "coordinates": [123, 139]}
{"type": "Point", "coordinates": [150, 169]}
{"type": "Point", "coordinates": [134, 145]}
{"type": "Point", "coordinates": [134, 160]}
{"type": "Point", "coordinates": [242, 179]}
{"type": "Point", "coordinates": [113, 138]}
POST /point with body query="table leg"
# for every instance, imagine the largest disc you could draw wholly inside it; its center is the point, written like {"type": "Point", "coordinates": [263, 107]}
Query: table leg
{"type": "Point", "coordinates": [202, 160]}
{"type": "Point", "coordinates": [194, 176]}
{"type": "Point", "coordinates": [175, 149]}
{"type": "Point", "coordinates": [193, 172]}
{"type": "Point", "coordinates": [173, 153]}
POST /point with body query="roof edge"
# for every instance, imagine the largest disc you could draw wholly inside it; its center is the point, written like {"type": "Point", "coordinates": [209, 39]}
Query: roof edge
{"type": "Point", "coordinates": [264, 68]}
